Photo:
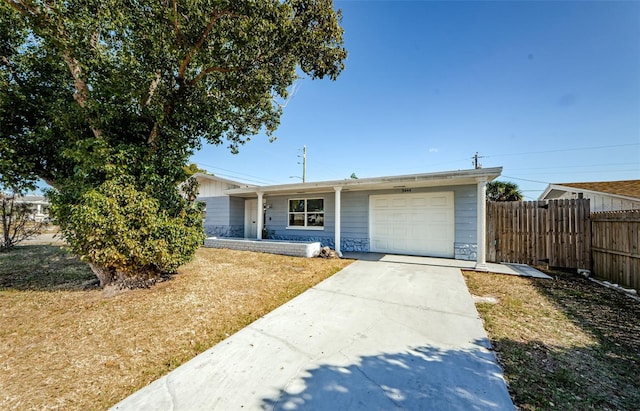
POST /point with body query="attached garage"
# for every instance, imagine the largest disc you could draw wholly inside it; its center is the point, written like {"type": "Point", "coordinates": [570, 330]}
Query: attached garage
{"type": "Point", "coordinates": [413, 223]}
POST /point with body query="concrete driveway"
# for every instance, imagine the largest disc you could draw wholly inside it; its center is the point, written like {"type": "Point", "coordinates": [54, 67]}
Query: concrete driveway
{"type": "Point", "coordinates": [375, 336]}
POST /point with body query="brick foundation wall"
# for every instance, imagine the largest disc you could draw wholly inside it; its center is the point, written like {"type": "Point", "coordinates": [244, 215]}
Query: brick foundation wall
{"type": "Point", "coordinates": [465, 251]}
{"type": "Point", "coordinates": [296, 249]}
{"type": "Point", "coordinates": [224, 230]}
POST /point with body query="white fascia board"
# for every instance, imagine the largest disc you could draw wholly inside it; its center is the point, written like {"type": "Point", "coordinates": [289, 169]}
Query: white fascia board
{"type": "Point", "coordinates": [410, 180]}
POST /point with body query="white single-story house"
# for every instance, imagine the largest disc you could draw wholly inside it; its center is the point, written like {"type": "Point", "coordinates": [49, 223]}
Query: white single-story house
{"type": "Point", "coordinates": [603, 195]}
{"type": "Point", "coordinates": [433, 214]}
{"type": "Point", "coordinates": [38, 206]}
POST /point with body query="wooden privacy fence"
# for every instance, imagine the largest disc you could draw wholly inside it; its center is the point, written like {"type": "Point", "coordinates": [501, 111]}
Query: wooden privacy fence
{"type": "Point", "coordinates": [615, 241]}
{"type": "Point", "coordinates": [556, 233]}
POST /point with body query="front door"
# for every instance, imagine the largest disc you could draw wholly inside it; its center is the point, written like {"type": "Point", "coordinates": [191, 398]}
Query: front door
{"type": "Point", "coordinates": [251, 218]}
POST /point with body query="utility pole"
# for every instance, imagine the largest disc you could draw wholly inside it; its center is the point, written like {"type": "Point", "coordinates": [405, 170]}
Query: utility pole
{"type": "Point", "coordinates": [475, 163]}
{"type": "Point", "coordinates": [304, 164]}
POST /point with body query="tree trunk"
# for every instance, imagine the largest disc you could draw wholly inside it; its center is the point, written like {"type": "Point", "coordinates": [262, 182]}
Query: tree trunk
{"type": "Point", "coordinates": [143, 278]}
{"type": "Point", "coordinates": [105, 275]}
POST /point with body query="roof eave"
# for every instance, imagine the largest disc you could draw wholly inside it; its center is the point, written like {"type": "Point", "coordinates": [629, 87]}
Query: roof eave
{"type": "Point", "coordinates": [459, 177]}
{"type": "Point", "coordinates": [570, 189]}
{"type": "Point", "coordinates": [222, 180]}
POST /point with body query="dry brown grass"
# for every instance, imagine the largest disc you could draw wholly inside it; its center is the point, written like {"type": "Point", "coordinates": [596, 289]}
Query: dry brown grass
{"type": "Point", "coordinates": [64, 347]}
{"type": "Point", "coordinates": [565, 343]}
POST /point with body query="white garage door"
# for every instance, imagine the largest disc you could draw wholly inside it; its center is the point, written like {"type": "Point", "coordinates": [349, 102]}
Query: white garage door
{"type": "Point", "coordinates": [412, 223]}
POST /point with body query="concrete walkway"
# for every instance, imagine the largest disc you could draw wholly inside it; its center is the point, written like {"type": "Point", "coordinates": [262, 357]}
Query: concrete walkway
{"type": "Point", "coordinates": [521, 270]}
{"type": "Point", "coordinates": [376, 336]}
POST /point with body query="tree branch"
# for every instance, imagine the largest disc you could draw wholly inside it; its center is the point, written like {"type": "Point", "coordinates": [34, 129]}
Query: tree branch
{"type": "Point", "coordinates": [214, 18]}
{"type": "Point", "coordinates": [49, 181]}
{"type": "Point", "coordinates": [82, 89]}
{"type": "Point", "coordinates": [212, 70]}
{"type": "Point", "coordinates": [22, 7]}
{"type": "Point", "coordinates": [13, 72]}
{"type": "Point", "coordinates": [152, 88]}
{"type": "Point", "coordinates": [168, 109]}
{"type": "Point", "coordinates": [176, 23]}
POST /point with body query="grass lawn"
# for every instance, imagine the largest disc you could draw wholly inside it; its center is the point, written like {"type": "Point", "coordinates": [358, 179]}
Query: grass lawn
{"type": "Point", "coordinates": [565, 344]}
{"type": "Point", "coordinates": [66, 345]}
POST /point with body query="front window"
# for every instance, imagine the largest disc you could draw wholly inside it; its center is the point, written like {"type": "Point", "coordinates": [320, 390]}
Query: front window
{"type": "Point", "coordinates": [306, 212]}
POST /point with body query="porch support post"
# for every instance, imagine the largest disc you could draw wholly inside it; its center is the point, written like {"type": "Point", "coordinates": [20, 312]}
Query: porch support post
{"type": "Point", "coordinates": [260, 215]}
{"type": "Point", "coordinates": [337, 220]}
{"type": "Point", "coordinates": [481, 236]}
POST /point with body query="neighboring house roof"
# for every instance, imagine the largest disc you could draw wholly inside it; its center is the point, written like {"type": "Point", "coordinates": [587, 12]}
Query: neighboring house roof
{"type": "Point", "coordinates": [624, 189]}
{"type": "Point", "coordinates": [377, 183]}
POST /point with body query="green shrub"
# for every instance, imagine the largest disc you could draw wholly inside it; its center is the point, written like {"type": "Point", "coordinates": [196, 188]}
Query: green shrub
{"type": "Point", "coordinates": [126, 236]}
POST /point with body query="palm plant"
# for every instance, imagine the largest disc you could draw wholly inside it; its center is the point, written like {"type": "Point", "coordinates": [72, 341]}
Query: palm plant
{"type": "Point", "coordinates": [503, 191]}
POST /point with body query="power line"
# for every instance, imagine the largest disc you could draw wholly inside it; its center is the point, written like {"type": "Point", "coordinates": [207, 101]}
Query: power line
{"type": "Point", "coordinates": [236, 174]}
{"type": "Point", "coordinates": [537, 152]}
{"type": "Point", "coordinates": [546, 182]}
{"type": "Point", "coordinates": [564, 150]}
{"type": "Point", "coordinates": [232, 177]}
{"type": "Point", "coordinates": [524, 179]}
{"type": "Point", "coordinates": [261, 180]}
{"type": "Point", "coordinates": [622, 170]}
{"type": "Point", "coordinates": [578, 166]}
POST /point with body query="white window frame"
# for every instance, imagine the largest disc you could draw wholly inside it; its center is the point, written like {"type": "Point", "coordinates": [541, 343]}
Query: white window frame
{"type": "Point", "coordinates": [305, 213]}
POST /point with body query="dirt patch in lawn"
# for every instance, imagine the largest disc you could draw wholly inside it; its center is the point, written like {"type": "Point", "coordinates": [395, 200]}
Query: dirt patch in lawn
{"type": "Point", "coordinates": [565, 343]}
{"type": "Point", "coordinates": [64, 344]}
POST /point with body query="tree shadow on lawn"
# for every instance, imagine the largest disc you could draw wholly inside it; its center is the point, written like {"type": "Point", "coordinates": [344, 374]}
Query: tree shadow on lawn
{"type": "Point", "coordinates": [423, 378]}
{"type": "Point", "coordinates": [602, 376]}
{"type": "Point", "coordinates": [608, 315]}
{"type": "Point", "coordinates": [542, 376]}
{"type": "Point", "coordinates": [44, 268]}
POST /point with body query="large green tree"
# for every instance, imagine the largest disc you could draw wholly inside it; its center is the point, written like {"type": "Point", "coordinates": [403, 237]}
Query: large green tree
{"type": "Point", "coordinates": [106, 100]}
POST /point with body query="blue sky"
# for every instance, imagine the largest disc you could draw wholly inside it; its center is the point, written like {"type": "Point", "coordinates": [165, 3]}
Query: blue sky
{"type": "Point", "coordinates": [548, 90]}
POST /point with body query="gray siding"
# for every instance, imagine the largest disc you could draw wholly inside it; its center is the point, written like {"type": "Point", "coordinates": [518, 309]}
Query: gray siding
{"type": "Point", "coordinates": [217, 210]}
{"type": "Point", "coordinates": [355, 217]}
{"type": "Point", "coordinates": [236, 211]}
{"type": "Point", "coordinates": [354, 225]}
{"type": "Point", "coordinates": [466, 214]}
{"type": "Point", "coordinates": [223, 218]}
